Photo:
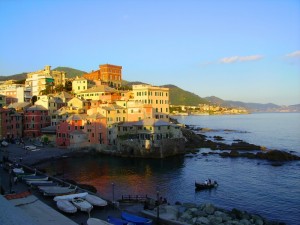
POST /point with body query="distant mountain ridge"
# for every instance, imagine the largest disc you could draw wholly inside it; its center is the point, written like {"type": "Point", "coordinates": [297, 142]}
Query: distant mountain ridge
{"type": "Point", "coordinates": [253, 107]}
{"type": "Point", "coordinates": [70, 72]}
{"type": "Point", "coordinates": [179, 96]}
{"type": "Point", "coordinates": [19, 76]}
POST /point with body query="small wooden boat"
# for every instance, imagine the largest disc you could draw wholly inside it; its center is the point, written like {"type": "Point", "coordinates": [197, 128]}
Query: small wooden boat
{"type": "Point", "coordinates": [18, 171]}
{"type": "Point", "coordinates": [117, 221]}
{"type": "Point", "coordinates": [137, 220]}
{"type": "Point", "coordinates": [95, 221]}
{"type": "Point", "coordinates": [57, 190]}
{"type": "Point", "coordinates": [70, 197]}
{"type": "Point", "coordinates": [66, 206]}
{"type": "Point", "coordinates": [95, 200]}
{"type": "Point", "coordinates": [50, 184]}
{"type": "Point", "coordinates": [82, 204]}
{"type": "Point", "coordinates": [203, 186]}
{"type": "Point", "coordinates": [36, 177]}
{"type": "Point", "coordinates": [30, 182]}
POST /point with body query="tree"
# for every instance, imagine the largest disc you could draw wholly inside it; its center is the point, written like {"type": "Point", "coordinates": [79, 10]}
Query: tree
{"type": "Point", "coordinates": [59, 88]}
{"type": "Point", "coordinates": [33, 99]}
{"type": "Point", "coordinates": [68, 86]}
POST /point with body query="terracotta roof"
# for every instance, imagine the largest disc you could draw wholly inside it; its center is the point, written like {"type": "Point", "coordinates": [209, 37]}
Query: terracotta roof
{"type": "Point", "coordinates": [77, 117]}
{"type": "Point", "coordinates": [19, 105]}
{"type": "Point", "coordinates": [37, 108]}
{"type": "Point", "coordinates": [64, 94]}
{"type": "Point", "coordinates": [147, 122]}
{"type": "Point", "coordinates": [100, 88]}
{"type": "Point", "coordinates": [95, 116]}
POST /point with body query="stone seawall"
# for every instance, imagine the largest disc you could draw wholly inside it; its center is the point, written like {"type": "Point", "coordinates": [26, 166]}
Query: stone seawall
{"type": "Point", "coordinates": [134, 148]}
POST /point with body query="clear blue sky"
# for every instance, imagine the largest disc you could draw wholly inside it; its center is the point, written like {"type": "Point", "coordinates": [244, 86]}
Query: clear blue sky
{"type": "Point", "coordinates": [236, 50]}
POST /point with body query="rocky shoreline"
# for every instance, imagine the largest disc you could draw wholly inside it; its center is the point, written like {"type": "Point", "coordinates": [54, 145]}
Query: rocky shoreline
{"type": "Point", "coordinates": [237, 149]}
{"type": "Point", "coordinates": [206, 214]}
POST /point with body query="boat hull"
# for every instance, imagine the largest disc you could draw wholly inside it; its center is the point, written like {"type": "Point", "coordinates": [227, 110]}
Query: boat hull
{"type": "Point", "coordinates": [82, 205]}
{"type": "Point", "coordinates": [95, 200]}
{"type": "Point", "coordinates": [66, 206]}
{"type": "Point", "coordinates": [202, 186]}
{"type": "Point", "coordinates": [70, 197]}
{"type": "Point", "coordinates": [136, 219]}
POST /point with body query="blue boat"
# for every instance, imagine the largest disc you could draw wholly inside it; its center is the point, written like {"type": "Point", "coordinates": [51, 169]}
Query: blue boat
{"type": "Point", "coordinates": [136, 219]}
{"type": "Point", "coordinates": [117, 221]}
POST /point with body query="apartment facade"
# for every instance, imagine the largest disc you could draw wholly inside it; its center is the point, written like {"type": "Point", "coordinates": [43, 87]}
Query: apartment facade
{"type": "Point", "coordinates": [51, 103]}
{"type": "Point", "coordinates": [102, 92]}
{"type": "Point", "coordinates": [81, 84]}
{"type": "Point", "coordinates": [41, 79]}
{"type": "Point", "coordinates": [158, 97]}
{"type": "Point", "coordinates": [108, 74]}
{"type": "Point", "coordinates": [35, 118]}
{"type": "Point", "coordinates": [73, 125]}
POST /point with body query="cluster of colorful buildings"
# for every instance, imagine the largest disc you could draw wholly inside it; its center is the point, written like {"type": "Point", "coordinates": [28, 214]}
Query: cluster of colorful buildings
{"type": "Point", "coordinates": [95, 114]}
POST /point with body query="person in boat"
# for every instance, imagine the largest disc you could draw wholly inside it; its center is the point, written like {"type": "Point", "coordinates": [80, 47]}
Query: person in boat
{"type": "Point", "coordinates": [209, 181]}
{"type": "Point", "coordinates": [165, 201]}
{"type": "Point", "coordinates": [206, 182]}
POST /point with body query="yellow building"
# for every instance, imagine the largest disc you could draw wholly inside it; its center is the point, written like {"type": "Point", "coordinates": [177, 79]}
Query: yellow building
{"type": "Point", "coordinates": [114, 114]}
{"type": "Point", "coordinates": [101, 92]}
{"type": "Point", "coordinates": [158, 97]}
{"type": "Point", "coordinates": [50, 102]}
{"type": "Point", "coordinates": [81, 84]}
{"type": "Point", "coordinates": [41, 79]}
{"type": "Point", "coordinates": [77, 103]}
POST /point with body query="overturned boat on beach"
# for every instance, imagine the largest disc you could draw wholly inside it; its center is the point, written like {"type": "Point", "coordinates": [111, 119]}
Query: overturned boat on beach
{"type": "Point", "coordinates": [66, 206]}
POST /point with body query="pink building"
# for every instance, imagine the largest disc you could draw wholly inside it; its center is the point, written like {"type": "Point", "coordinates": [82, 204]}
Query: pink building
{"type": "Point", "coordinates": [89, 129]}
{"type": "Point", "coordinates": [35, 118]}
{"type": "Point", "coordinates": [11, 124]}
{"type": "Point", "coordinates": [96, 129]}
{"type": "Point", "coordinates": [73, 123]}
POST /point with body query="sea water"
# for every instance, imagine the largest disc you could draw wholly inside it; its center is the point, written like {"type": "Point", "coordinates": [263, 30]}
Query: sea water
{"type": "Point", "coordinates": [246, 184]}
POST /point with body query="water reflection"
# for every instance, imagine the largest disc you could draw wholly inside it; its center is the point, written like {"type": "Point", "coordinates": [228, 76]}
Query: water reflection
{"type": "Point", "coordinates": [129, 175]}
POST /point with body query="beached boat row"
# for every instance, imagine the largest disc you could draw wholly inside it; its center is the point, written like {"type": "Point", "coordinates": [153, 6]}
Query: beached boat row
{"type": "Point", "coordinates": [67, 198]}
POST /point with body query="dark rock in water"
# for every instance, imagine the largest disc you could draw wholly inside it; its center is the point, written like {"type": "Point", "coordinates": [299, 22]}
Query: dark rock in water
{"type": "Point", "coordinates": [276, 155]}
{"type": "Point", "coordinates": [236, 214]}
{"type": "Point", "coordinates": [218, 138]}
{"type": "Point", "coordinates": [237, 140]}
{"type": "Point", "coordinates": [248, 155]}
{"type": "Point", "coordinates": [244, 146]}
{"type": "Point", "coordinates": [277, 164]}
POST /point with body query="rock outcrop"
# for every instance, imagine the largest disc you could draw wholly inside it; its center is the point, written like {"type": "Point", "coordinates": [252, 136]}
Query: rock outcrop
{"type": "Point", "coordinates": [206, 214]}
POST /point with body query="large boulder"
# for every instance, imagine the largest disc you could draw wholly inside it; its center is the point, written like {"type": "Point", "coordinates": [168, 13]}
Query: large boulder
{"type": "Point", "coordinates": [242, 145]}
{"type": "Point", "coordinates": [276, 155]}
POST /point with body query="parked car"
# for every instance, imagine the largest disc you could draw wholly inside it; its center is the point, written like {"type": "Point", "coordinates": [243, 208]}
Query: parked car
{"type": "Point", "coordinates": [30, 147]}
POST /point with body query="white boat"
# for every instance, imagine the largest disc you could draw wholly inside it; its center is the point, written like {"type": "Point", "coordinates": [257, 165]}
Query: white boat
{"type": "Point", "coordinates": [95, 221]}
{"type": "Point", "coordinates": [70, 197]}
{"type": "Point", "coordinates": [82, 204]}
{"type": "Point", "coordinates": [66, 206]}
{"type": "Point", "coordinates": [95, 200]}
{"type": "Point", "coordinates": [56, 190]}
{"type": "Point", "coordinates": [18, 170]}
{"type": "Point", "coordinates": [29, 182]}
{"type": "Point", "coordinates": [36, 177]}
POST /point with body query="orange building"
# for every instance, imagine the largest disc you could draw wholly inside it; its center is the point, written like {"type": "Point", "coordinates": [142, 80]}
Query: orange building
{"type": "Point", "coordinates": [108, 74]}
